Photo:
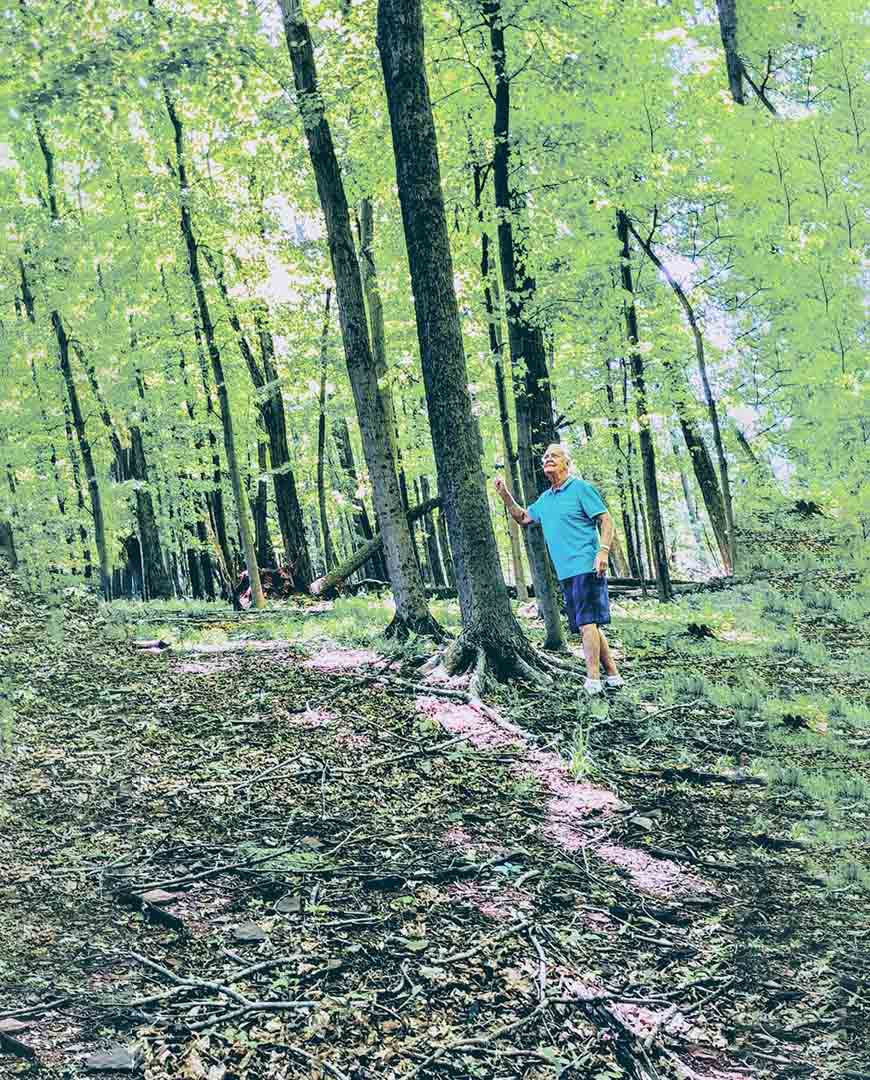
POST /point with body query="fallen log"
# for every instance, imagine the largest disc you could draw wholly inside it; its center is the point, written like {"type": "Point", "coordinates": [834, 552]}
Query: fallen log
{"type": "Point", "coordinates": [331, 583]}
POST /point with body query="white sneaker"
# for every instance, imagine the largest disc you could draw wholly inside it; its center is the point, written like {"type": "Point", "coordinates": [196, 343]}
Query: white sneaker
{"type": "Point", "coordinates": [614, 682]}
{"type": "Point", "coordinates": [593, 687]}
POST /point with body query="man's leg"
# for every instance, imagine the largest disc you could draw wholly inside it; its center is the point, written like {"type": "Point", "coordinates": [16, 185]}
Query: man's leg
{"type": "Point", "coordinates": [607, 661]}
{"type": "Point", "coordinates": [592, 649]}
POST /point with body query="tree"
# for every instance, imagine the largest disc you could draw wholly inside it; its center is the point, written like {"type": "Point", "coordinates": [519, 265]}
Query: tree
{"type": "Point", "coordinates": [491, 640]}
{"type": "Point", "coordinates": [412, 615]}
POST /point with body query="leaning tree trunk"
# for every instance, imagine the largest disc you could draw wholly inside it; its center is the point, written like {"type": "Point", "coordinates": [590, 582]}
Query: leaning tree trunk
{"type": "Point", "coordinates": [412, 613]}
{"type": "Point", "coordinates": [331, 583]}
{"type": "Point", "coordinates": [717, 493]}
{"type": "Point", "coordinates": [242, 509]}
{"type": "Point", "coordinates": [534, 401]}
{"type": "Point", "coordinates": [491, 637]}
{"type": "Point", "coordinates": [647, 450]}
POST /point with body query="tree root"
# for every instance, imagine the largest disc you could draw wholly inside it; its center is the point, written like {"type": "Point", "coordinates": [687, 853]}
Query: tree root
{"type": "Point", "coordinates": [401, 629]}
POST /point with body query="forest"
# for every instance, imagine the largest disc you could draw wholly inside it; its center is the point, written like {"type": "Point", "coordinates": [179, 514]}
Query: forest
{"type": "Point", "coordinates": [300, 772]}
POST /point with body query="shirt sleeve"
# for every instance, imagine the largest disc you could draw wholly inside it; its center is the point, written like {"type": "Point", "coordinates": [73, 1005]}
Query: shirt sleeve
{"type": "Point", "coordinates": [534, 510]}
{"type": "Point", "coordinates": [590, 500]}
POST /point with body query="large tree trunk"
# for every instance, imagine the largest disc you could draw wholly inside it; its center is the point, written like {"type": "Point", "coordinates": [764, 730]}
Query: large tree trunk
{"type": "Point", "coordinates": [362, 524]}
{"type": "Point", "coordinates": [647, 450]}
{"type": "Point", "coordinates": [491, 636]}
{"type": "Point", "coordinates": [534, 401]}
{"type": "Point", "coordinates": [328, 548]}
{"type": "Point", "coordinates": [265, 551]}
{"type": "Point", "coordinates": [412, 613]}
{"type": "Point", "coordinates": [242, 508]}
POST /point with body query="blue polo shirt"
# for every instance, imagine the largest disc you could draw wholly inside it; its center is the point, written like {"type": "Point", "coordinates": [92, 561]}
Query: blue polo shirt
{"type": "Point", "coordinates": [567, 515]}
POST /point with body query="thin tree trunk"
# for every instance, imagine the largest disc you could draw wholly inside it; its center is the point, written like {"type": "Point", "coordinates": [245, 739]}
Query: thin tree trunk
{"type": "Point", "coordinates": [362, 523]}
{"type": "Point", "coordinates": [446, 554]}
{"type": "Point", "coordinates": [717, 494]}
{"type": "Point", "coordinates": [265, 551]}
{"type": "Point", "coordinates": [242, 509]}
{"type": "Point", "coordinates": [491, 636]}
{"type": "Point", "coordinates": [85, 451]}
{"type": "Point", "coordinates": [77, 483]}
{"type": "Point", "coordinates": [647, 450]}
{"type": "Point", "coordinates": [534, 401]}
{"type": "Point", "coordinates": [624, 502]}
{"type": "Point", "coordinates": [433, 555]}
{"type": "Point", "coordinates": [328, 549]}
{"type": "Point", "coordinates": [496, 348]}
{"type": "Point", "coordinates": [691, 506]}
{"type": "Point", "coordinates": [411, 611]}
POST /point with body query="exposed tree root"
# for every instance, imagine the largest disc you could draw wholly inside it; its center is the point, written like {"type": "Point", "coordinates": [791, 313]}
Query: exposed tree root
{"type": "Point", "coordinates": [496, 662]}
{"type": "Point", "coordinates": [401, 629]}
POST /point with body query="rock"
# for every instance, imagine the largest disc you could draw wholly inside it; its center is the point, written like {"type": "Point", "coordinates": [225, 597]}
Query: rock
{"type": "Point", "coordinates": [248, 932]}
{"type": "Point", "coordinates": [158, 896]}
{"type": "Point", "coordinates": [11, 1027]}
{"type": "Point", "coordinates": [289, 905]}
{"type": "Point", "coordinates": [117, 1059]}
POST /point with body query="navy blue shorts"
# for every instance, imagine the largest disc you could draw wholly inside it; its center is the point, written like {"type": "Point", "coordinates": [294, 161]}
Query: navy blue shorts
{"type": "Point", "coordinates": [587, 600]}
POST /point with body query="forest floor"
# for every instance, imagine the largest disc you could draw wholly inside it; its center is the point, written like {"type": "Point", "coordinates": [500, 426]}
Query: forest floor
{"type": "Point", "coordinates": [345, 878]}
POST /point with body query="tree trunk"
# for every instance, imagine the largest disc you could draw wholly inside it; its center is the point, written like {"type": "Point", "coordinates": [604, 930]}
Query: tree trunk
{"type": "Point", "coordinates": [411, 611]}
{"type": "Point", "coordinates": [496, 348]}
{"type": "Point", "coordinates": [85, 451]}
{"type": "Point", "coordinates": [689, 498]}
{"type": "Point", "coordinates": [362, 525]}
{"type": "Point", "coordinates": [242, 508]}
{"type": "Point", "coordinates": [491, 636]}
{"type": "Point", "coordinates": [265, 551]}
{"type": "Point", "coordinates": [157, 583]}
{"type": "Point", "coordinates": [446, 554]}
{"type": "Point", "coordinates": [328, 549]}
{"type": "Point", "coordinates": [624, 501]}
{"type": "Point", "coordinates": [7, 544]}
{"type": "Point", "coordinates": [432, 553]}
{"type": "Point", "coordinates": [717, 493]}
{"type": "Point", "coordinates": [330, 584]}
{"type": "Point", "coordinates": [534, 401]}
{"type": "Point", "coordinates": [369, 272]}
{"type": "Point", "coordinates": [647, 450]}
{"type": "Point", "coordinates": [77, 483]}
{"type": "Point", "coordinates": [272, 414]}
{"type": "Point", "coordinates": [728, 28]}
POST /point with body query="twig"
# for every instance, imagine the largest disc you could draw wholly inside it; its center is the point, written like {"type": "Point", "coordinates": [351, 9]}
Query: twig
{"type": "Point", "coordinates": [489, 940]}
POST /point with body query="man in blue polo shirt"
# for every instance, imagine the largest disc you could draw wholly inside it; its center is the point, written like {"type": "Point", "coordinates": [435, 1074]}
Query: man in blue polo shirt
{"type": "Point", "coordinates": [572, 515]}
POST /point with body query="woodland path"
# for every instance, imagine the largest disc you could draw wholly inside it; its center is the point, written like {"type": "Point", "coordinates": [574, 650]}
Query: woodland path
{"type": "Point", "coordinates": [351, 890]}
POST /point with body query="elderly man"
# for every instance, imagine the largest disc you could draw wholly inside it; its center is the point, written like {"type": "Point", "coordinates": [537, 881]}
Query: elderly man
{"type": "Point", "coordinates": [572, 515]}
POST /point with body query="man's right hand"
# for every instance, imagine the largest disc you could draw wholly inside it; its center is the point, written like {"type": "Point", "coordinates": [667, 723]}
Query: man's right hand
{"type": "Point", "coordinates": [500, 487]}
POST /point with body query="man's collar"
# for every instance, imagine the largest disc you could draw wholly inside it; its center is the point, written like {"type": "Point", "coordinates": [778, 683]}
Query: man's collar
{"type": "Point", "coordinates": [561, 487]}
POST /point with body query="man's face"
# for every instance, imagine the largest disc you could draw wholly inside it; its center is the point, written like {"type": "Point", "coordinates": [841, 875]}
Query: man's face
{"type": "Point", "coordinates": [554, 465]}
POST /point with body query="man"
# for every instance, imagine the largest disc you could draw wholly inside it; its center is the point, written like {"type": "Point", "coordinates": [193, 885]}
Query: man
{"type": "Point", "coordinates": [572, 514]}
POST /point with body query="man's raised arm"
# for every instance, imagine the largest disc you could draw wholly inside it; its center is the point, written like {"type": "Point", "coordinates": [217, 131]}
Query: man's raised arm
{"type": "Point", "coordinates": [517, 512]}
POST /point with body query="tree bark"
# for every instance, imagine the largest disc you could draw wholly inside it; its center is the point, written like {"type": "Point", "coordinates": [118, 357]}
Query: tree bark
{"type": "Point", "coordinates": [328, 548]}
{"type": "Point", "coordinates": [624, 501]}
{"type": "Point", "coordinates": [534, 401]}
{"type": "Point", "coordinates": [412, 613]}
{"type": "Point", "coordinates": [491, 637]}
{"type": "Point", "coordinates": [432, 554]}
{"type": "Point", "coordinates": [647, 450]}
{"type": "Point", "coordinates": [242, 509]}
{"type": "Point", "coordinates": [728, 28]}
{"type": "Point", "coordinates": [265, 551]}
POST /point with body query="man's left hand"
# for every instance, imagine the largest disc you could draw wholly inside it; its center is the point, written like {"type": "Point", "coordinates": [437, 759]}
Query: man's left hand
{"type": "Point", "coordinates": [601, 563]}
